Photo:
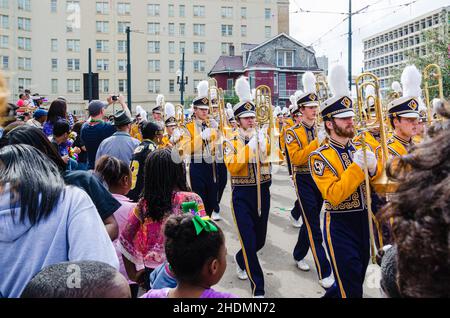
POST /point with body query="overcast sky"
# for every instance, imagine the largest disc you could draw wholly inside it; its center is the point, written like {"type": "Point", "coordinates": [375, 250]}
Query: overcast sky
{"type": "Point", "coordinates": [381, 15]}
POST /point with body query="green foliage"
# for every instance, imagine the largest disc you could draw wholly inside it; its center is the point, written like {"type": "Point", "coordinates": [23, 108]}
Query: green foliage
{"type": "Point", "coordinates": [232, 99]}
{"type": "Point", "coordinates": [438, 52]}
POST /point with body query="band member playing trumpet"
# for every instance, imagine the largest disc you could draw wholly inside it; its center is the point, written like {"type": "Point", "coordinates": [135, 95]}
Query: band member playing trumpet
{"type": "Point", "coordinates": [240, 155]}
{"type": "Point", "coordinates": [198, 143]}
{"type": "Point", "coordinates": [301, 141]}
{"type": "Point", "coordinates": [338, 170]}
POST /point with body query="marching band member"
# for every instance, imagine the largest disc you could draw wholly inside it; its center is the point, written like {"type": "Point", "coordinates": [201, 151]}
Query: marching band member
{"type": "Point", "coordinates": [240, 154]}
{"type": "Point", "coordinates": [278, 114]}
{"type": "Point", "coordinates": [403, 113]}
{"type": "Point", "coordinates": [198, 140]}
{"type": "Point", "coordinates": [301, 141]}
{"type": "Point", "coordinates": [231, 121]}
{"type": "Point", "coordinates": [157, 115]}
{"type": "Point", "coordinates": [141, 115]}
{"type": "Point", "coordinates": [171, 125]}
{"type": "Point", "coordinates": [338, 171]}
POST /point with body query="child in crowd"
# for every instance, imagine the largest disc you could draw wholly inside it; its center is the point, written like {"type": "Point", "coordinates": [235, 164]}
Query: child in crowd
{"type": "Point", "coordinates": [117, 176]}
{"type": "Point", "coordinates": [195, 249]}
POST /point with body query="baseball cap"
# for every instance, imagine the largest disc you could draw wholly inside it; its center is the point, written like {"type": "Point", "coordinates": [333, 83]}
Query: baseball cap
{"type": "Point", "coordinates": [39, 113]}
{"type": "Point", "coordinates": [95, 107]}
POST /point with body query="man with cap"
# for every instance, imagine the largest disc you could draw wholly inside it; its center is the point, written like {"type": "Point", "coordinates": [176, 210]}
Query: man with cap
{"type": "Point", "coordinates": [231, 121]}
{"type": "Point", "coordinates": [120, 145]}
{"type": "Point", "coordinates": [95, 130]}
{"type": "Point", "coordinates": [240, 155]}
{"type": "Point", "coordinates": [151, 138]}
{"type": "Point", "coordinates": [39, 118]}
{"type": "Point", "coordinates": [404, 113]}
{"type": "Point", "coordinates": [301, 140]}
{"type": "Point", "coordinates": [197, 144]}
{"type": "Point", "coordinates": [338, 171]}
{"type": "Point", "coordinates": [157, 111]}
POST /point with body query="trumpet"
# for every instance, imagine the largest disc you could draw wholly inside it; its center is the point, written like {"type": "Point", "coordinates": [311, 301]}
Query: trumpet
{"type": "Point", "coordinates": [323, 93]}
{"type": "Point", "coordinates": [432, 76]}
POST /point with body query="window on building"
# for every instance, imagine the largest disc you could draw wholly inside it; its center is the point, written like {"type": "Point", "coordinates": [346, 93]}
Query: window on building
{"type": "Point", "coordinates": [199, 11]}
{"type": "Point", "coordinates": [153, 28]}
{"type": "Point", "coordinates": [24, 63]}
{"type": "Point", "coordinates": [73, 64]}
{"type": "Point", "coordinates": [267, 13]}
{"type": "Point", "coordinates": [73, 85]}
{"type": "Point", "coordinates": [24, 43]}
{"type": "Point", "coordinates": [153, 46]}
{"type": "Point", "coordinates": [24, 83]}
{"type": "Point", "coordinates": [122, 86]}
{"type": "Point", "coordinates": [171, 10]}
{"type": "Point", "coordinates": [123, 8]}
{"type": "Point", "coordinates": [102, 7]}
{"type": "Point", "coordinates": [226, 48]}
{"type": "Point", "coordinates": [54, 45]}
{"type": "Point", "coordinates": [182, 47]}
{"type": "Point", "coordinates": [230, 84]}
{"type": "Point", "coordinates": [4, 39]}
{"type": "Point", "coordinates": [153, 10]}
{"type": "Point", "coordinates": [243, 31]}
{"type": "Point", "coordinates": [243, 13]}
{"type": "Point", "coordinates": [103, 65]}
{"type": "Point", "coordinates": [102, 26]}
{"type": "Point", "coordinates": [122, 65]}
{"type": "Point", "coordinates": [154, 66]}
{"type": "Point", "coordinates": [103, 86]}
{"type": "Point", "coordinates": [171, 86]}
{"type": "Point", "coordinates": [285, 58]}
{"type": "Point", "coordinates": [199, 66]}
{"type": "Point", "coordinates": [24, 5]}
{"type": "Point", "coordinates": [4, 60]}
{"type": "Point", "coordinates": [171, 66]}
{"type": "Point", "coordinates": [199, 29]}
{"type": "Point", "coordinates": [182, 10]}
{"type": "Point", "coordinates": [226, 12]}
{"type": "Point", "coordinates": [102, 45]}
{"type": "Point", "coordinates": [171, 47]}
{"type": "Point", "coordinates": [54, 63]}
{"type": "Point", "coordinates": [227, 30]}
{"type": "Point", "coordinates": [171, 29]}
{"type": "Point", "coordinates": [182, 29]}
{"type": "Point", "coordinates": [4, 4]}
{"type": "Point", "coordinates": [4, 21]}
{"type": "Point", "coordinates": [122, 27]}
{"type": "Point", "coordinates": [196, 82]}
{"type": "Point", "coordinates": [268, 32]}
{"type": "Point", "coordinates": [72, 6]}
{"type": "Point", "coordinates": [24, 24]}
{"type": "Point", "coordinates": [122, 46]}
{"type": "Point", "coordinates": [199, 47]}
{"type": "Point", "coordinates": [54, 85]}
{"type": "Point", "coordinates": [154, 86]}
{"type": "Point", "coordinates": [73, 45]}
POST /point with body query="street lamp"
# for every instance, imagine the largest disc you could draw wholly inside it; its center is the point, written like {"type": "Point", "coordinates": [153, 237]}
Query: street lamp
{"type": "Point", "coordinates": [182, 80]}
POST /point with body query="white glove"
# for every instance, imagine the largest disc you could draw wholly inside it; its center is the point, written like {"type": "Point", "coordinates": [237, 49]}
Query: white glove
{"type": "Point", "coordinates": [358, 158]}
{"type": "Point", "coordinates": [213, 123]}
{"type": "Point", "coordinates": [175, 136]}
{"type": "Point", "coordinates": [206, 134]}
{"type": "Point", "coordinates": [253, 143]}
{"type": "Point", "coordinates": [262, 141]}
{"type": "Point", "coordinates": [321, 135]}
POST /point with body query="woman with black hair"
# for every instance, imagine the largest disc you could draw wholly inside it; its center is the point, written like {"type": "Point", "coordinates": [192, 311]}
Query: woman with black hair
{"type": "Point", "coordinates": [57, 111]}
{"type": "Point", "coordinates": [165, 189]}
{"type": "Point", "coordinates": [103, 200]}
{"type": "Point", "coordinates": [53, 224]}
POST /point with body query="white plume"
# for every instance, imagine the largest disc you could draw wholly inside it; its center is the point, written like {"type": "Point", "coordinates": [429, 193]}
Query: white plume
{"type": "Point", "coordinates": [277, 111]}
{"type": "Point", "coordinates": [159, 100]}
{"type": "Point", "coordinates": [293, 99]}
{"type": "Point", "coordinates": [230, 113]}
{"type": "Point", "coordinates": [242, 89]}
{"type": "Point", "coordinates": [139, 109]}
{"type": "Point", "coordinates": [411, 80]}
{"type": "Point", "coordinates": [437, 103]}
{"type": "Point", "coordinates": [338, 81]}
{"type": "Point", "coordinates": [396, 87]}
{"type": "Point", "coordinates": [254, 94]}
{"type": "Point", "coordinates": [309, 83]}
{"type": "Point", "coordinates": [297, 96]}
{"type": "Point", "coordinates": [169, 110]}
{"type": "Point", "coordinates": [229, 106]}
{"type": "Point", "coordinates": [202, 89]}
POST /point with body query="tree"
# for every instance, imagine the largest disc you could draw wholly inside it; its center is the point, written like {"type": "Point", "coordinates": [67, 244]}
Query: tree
{"type": "Point", "coordinates": [438, 52]}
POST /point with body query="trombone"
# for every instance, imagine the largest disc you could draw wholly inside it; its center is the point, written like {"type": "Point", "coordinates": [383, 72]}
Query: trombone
{"type": "Point", "coordinates": [365, 121]}
{"type": "Point", "coordinates": [432, 76]}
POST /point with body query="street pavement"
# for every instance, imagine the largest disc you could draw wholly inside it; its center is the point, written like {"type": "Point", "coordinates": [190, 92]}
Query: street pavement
{"type": "Point", "coordinates": [282, 277]}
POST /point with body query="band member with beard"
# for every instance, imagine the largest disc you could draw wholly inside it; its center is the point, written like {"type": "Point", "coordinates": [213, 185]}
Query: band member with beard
{"type": "Point", "coordinates": [338, 171]}
{"type": "Point", "coordinates": [198, 141]}
{"type": "Point", "coordinates": [301, 140]}
{"type": "Point", "coordinates": [240, 158]}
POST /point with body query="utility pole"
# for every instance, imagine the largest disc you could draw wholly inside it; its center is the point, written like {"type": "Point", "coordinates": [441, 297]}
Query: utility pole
{"type": "Point", "coordinates": [350, 44]}
{"type": "Point", "coordinates": [90, 82]}
{"type": "Point", "coordinates": [128, 31]}
{"type": "Point", "coordinates": [181, 79]}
